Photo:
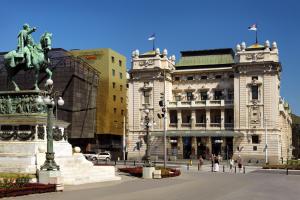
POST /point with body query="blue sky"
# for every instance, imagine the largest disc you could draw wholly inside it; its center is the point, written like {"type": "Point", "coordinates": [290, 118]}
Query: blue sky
{"type": "Point", "coordinates": [179, 25]}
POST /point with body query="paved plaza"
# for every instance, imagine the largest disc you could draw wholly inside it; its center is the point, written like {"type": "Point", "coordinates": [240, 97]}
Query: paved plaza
{"type": "Point", "coordinates": [190, 185]}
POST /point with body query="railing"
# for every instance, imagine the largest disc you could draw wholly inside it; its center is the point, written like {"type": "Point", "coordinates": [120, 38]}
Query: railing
{"type": "Point", "coordinates": [186, 125]}
{"type": "Point", "coordinates": [202, 125]}
{"type": "Point", "coordinates": [202, 102]}
{"type": "Point", "coordinates": [228, 125]}
{"type": "Point", "coordinates": [215, 125]}
{"type": "Point", "coordinates": [215, 102]}
{"type": "Point", "coordinates": [229, 102]}
{"type": "Point", "coordinates": [174, 125]}
{"type": "Point", "coordinates": [173, 103]}
{"type": "Point", "coordinates": [186, 103]}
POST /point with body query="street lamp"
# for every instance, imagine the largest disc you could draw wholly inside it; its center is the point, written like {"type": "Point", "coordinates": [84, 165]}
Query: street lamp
{"type": "Point", "coordinates": [49, 98]}
{"type": "Point", "coordinates": [146, 122]}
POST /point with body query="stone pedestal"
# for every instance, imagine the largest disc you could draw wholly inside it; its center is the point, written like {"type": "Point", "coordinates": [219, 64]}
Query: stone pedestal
{"type": "Point", "coordinates": [51, 177]}
{"type": "Point", "coordinates": [148, 172]}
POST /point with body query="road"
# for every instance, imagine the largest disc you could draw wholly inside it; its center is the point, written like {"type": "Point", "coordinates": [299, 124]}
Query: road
{"type": "Point", "coordinates": [189, 186]}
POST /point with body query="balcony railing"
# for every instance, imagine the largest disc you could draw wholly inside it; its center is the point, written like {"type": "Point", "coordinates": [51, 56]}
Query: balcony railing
{"type": "Point", "coordinates": [173, 125]}
{"type": "Point", "coordinates": [201, 125]}
{"type": "Point", "coordinates": [228, 125]}
{"type": "Point", "coordinates": [186, 125]}
{"type": "Point", "coordinates": [215, 125]}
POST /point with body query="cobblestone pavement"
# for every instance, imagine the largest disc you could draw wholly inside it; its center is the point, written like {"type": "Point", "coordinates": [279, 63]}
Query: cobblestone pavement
{"type": "Point", "coordinates": [192, 184]}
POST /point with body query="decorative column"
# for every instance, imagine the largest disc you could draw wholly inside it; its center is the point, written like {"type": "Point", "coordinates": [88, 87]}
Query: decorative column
{"type": "Point", "coordinates": [194, 147]}
{"type": "Point", "coordinates": [207, 118]}
{"type": "Point", "coordinates": [179, 119]}
{"type": "Point", "coordinates": [222, 118]}
{"type": "Point", "coordinates": [193, 119]}
{"type": "Point", "coordinates": [180, 147]}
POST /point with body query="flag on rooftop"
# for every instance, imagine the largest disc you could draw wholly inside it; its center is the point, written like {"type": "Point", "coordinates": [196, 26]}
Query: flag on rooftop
{"type": "Point", "coordinates": [152, 37]}
{"type": "Point", "coordinates": [253, 27]}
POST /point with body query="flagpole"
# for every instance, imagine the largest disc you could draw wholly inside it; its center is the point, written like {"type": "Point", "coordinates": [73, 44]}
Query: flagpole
{"type": "Point", "coordinates": [153, 42]}
{"type": "Point", "coordinates": [256, 40]}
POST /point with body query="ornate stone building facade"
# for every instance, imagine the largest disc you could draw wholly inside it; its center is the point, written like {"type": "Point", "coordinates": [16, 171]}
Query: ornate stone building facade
{"type": "Point", "coordinates": [219, 101]}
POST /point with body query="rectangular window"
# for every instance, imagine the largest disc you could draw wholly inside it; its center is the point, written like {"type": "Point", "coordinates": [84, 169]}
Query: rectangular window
{"type": "Point", "coordinates": [218, 76]}
{"type": "Point", "coordinates": [120, 63]}
{"type": "Point", "coordinates": [177, 98]}
{"type": "Point", "coordinates": [231, 76]}
{"type": "Point", "coordinates": [113, 72]}
{"type": "Point", "coordinates": [255, 139]}
{"type": "Point", "coordinates": [114, 84]}
{"type": "Point", "coordinates": [254, 148]}
{"type": "Point", "coordinates": [204, 77]}
{"type": "Point", "coordinates": [177, 78]}
{"type": "Point", "coordinates": [121, 75]}
{"type": "Point", "coordinates": [115, 110]}
{"type": "Point", "coordinates": [122, 112]}
{"type": "Point", "coordinates": [114, 97]}
{"type": "Point", "coordinates": [190, 78]}
{"type": "Point", "coordinates": [121, 87]}
{"type": "Point", "coordinates": [189, 96]}
{"type": "Point", "coordinates": [113, 59]}
{"type": "Point", "coordinates": [230, 95]}
{"type": "Point", "coordinates": [146, 97]}
{"type": "Point", "coordinates": [254, 91]}
{"type": "Point", "coordinates": [203, 95]}
{"type": "Point", "coordinates": [218, 95]}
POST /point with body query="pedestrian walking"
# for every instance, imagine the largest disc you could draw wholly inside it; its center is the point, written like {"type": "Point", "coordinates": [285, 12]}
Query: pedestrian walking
{"type": "Point", "coordinates": [231, 164]}
{"type": "Point", "coordinates": [216, 164]}
{"type": "Point", "coordinates": [240, 163]}
{"type": "Point", "coordinates": [201, 162]}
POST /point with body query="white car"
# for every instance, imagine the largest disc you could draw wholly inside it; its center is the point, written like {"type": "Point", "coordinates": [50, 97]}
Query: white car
{"type": "Point", "coordinates": [99, 156]}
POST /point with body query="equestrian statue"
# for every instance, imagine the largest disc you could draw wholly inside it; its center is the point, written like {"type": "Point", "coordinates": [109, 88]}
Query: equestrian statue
{"type": "Point", "coordinates": [28, 56]}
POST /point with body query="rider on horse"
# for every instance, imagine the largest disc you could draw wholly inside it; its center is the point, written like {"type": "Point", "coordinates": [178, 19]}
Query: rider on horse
{"type": "Point", "coordinates": [25, 44]}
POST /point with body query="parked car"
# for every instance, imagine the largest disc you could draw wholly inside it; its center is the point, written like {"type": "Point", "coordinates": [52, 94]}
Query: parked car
{"type": "Point", "coordinates": [99, 156]}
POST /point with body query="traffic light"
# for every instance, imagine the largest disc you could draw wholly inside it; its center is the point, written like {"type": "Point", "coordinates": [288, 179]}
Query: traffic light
{"type": "Point", "coordinates": [161, 103]}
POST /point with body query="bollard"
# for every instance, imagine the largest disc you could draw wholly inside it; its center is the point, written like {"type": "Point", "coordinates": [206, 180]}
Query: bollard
{"type": "Point", "coordinates": [134, 163]}
{"type": "Point", "coordinates": [234, 169]}
{"type": "Point", "coordinates": [287, 171]}
{"type": "Point", "coordinates": [244, 170]}
{"type": "Point", "coordinates": [187, 166]}
{"type": "Point", "coordinates": [223, 168]}
{"type": "Point", "coordinates": [198, 166]}
{"type": "Point", "coordinates": [212, 169]}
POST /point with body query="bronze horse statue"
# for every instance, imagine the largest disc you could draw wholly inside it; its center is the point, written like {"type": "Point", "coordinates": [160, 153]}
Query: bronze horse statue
{"type": "Point", "coordinates": [39, 60]}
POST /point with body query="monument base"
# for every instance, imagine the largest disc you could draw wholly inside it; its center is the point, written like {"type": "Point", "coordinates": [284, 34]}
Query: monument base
{"type": "Point", "coordinates": [51, 177]}
{"type": "Point", "coordinates": [148, 172]}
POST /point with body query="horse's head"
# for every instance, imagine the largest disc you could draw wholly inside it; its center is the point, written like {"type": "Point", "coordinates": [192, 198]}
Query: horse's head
{"type": "Point", "coordinates": [46, 41]}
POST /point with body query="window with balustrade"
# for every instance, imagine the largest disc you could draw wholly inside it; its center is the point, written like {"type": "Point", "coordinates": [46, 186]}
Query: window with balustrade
{"type": "Point", "coordinates": [254, 92]}
{"type": "Point", "coordinates": [146, 97]}
{"type": "Point", "coordinates": [203, 95]}
{"type": "Point", "coordinates": [230, 95]}
{"type": "Point", "coordinates": [218, 95]}
{"type": "Point", "coordinates": [189, 96]}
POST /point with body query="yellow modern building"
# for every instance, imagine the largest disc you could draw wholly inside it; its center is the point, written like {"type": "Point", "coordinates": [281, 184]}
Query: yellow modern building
{"type": "Point", "coordinates": [111, 97]}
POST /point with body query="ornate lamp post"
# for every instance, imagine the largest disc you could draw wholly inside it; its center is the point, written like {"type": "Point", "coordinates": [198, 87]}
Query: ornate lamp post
{"type": "Point", "coordinates": [146, 122]}
{"type": "Point", "coordinates": [49, 97]}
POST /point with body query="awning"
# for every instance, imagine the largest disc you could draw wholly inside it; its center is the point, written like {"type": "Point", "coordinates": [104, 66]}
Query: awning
{"type": "Point", "coordinates": [198, 133]}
